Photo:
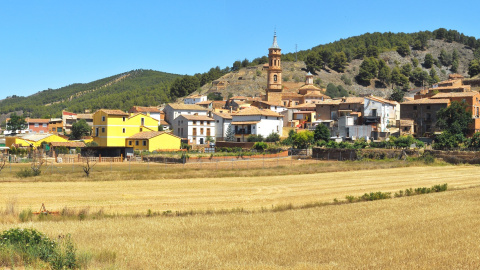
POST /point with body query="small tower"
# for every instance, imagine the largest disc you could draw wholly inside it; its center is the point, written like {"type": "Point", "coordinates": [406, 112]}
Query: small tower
{"type": "Point", "coordinates": [309, 79]}
{"type": "Point", "coordinates": [274, 77]}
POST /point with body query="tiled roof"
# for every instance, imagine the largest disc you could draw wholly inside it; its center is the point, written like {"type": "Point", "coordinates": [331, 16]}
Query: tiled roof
{"type": "Point", "coordinates": [114, 112]}
{"type": "Point", "coordinates": [195, 96]}
{"type": "Point", "coordinates": [197, 117]}
{"type": "Point", "coordinates": [291, 95]}
{"type": "Point", "coordinates": [68, 144]}
{"type": "Point", "coordinates": [34, 120]}
{"type": "Point", "coordinates": [85, 116]}
{"type": "Point", "coordinates": [309, 86]}
{"type": "Point", "coordinates": [223, 115]}
{"type": "Point", "coordinates": [456, 94]}
{"type": "Point", "coordinates": [358, 100]}
{"type": "Point", "coordinates": [207, 102]}
{"type": "Point", "coordinates": [305, 106]}
{"type": "Point", "coordinates": [192, 107]}
{"type": "Point", "coordinates": [149, 134]}
{"type": "Point", "coordinates": [68, 113]}
{"type": "Point", "coordinates": [313, 94]}
{"type": "Point", "coordinates": [164, 123]}
{"type": "Point", "coordinates": [257, 111]}
{"type": "Point", "coordinates": [238, 97]}
{"type": "Point", "coordinates": [144, 109]}
{"type": "Point", "coordinates": [427, 101]}
{"type": "Point", "coordinates": [245, 123]}
{"type": "Point", "coordinates": [329, 102]}
{"type": "Point", "coordinates": [406, 122]}
{"type": "Point", "coordinates": [35, 137]}
{"type": "Point", "coordinates": [382, 100]}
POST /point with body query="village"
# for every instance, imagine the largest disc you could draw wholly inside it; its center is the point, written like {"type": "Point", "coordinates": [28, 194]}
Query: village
{"type": "Point", "coordinates": [201, 124]}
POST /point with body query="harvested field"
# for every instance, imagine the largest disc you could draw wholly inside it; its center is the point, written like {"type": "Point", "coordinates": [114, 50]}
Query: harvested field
{"type": "Point", "coordinates": [133, 197]}
{"type": "Point", "coordinates": [434, 231]}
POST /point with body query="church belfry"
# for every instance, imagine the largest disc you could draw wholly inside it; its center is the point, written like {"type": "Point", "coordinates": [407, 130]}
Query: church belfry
{"type": "Point", "coordinates": [274, 77]}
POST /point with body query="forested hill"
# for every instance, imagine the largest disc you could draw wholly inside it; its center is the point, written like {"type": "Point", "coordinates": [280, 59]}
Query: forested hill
{"type": "Point", "coordinates": [122, 91]}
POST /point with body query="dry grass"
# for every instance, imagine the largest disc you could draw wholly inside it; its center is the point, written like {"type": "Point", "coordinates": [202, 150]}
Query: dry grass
{"type": "Point", "coordinates": [434, 231]}
{"type": "Point", "coordinates": [133, 197]}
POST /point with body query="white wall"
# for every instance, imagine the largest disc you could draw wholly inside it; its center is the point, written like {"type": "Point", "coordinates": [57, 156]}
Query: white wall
{"type": "Point", "coordinates": [194, 100]}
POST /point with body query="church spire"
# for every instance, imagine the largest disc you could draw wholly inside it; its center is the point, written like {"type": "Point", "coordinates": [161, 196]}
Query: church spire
{"type": "Point", "coordinates": [275, 45]}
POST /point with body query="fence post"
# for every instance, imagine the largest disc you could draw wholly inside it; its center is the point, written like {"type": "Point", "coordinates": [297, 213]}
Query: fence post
{"type": "Point", "coordinates": [328, 155]}
{"type": "Point", "coordinates": [340, 155]}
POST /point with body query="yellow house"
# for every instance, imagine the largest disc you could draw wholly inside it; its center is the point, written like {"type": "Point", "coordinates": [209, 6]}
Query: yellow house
{"type": "Point", "coordinates": [32, 140]}
{"type": "Point", "coordinates": [112, 127]}
{"type": "Point", "coordinates": [153, 140]}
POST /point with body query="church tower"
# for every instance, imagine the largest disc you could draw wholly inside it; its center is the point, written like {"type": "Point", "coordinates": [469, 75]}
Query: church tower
{"type": "Point", "coordinates": [274, 76]}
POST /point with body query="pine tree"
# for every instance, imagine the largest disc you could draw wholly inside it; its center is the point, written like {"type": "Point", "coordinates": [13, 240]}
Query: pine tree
{"type": "Point", "coordinates": [230, 136]}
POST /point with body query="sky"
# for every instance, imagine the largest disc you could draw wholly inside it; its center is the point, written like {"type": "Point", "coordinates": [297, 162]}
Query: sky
{"type": "Point", "coordinates": [50, 44]}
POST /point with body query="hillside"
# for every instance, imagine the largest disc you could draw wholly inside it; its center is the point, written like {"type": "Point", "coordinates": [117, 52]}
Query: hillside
{"type": "Point", "coordinates": [251, 80]}
{"type": "Point", "coordinates": [136, 87]}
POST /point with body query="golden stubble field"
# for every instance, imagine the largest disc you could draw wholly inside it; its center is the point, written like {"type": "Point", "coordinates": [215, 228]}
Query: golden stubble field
{"type": "Point", "coordinates": [433, 231]}
{"type": "Point", "coordinates": [252, 193]}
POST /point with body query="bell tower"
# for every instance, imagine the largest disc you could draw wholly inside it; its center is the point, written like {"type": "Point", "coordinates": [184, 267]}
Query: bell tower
{"type": "Point", "coordinates": [274, 77]}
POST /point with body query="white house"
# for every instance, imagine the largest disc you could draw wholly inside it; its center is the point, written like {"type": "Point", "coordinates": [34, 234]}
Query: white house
{"type": "Point", "coordinates": [255, 121]}
{"type": "Point", "coordinates": [380, 111]}
{"type": "Point", "coordinates": [153, 112]}
{"type": "Point", "coordinates": [196, 128]}
{"type": "Point", "coordinates": [174, 110]}
{"type": "Point", "coordinates": [222, 121]}
{"type": "Point", "coordinates": [194, 99]}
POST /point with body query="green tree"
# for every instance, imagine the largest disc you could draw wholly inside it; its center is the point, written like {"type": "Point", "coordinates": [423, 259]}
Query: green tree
{"type": "Point", "coordinates": [214, 96]}
{"type": "Point", "coordinates": [397, 95]}
{"type": "Point", "coordinates": [414, 62]}
{"type": "Point", "coordinates": [80, 129]}
{"type": "Point", "coordinates": [342, 92]}
{"type": "Point", "coordinates": [474, 67]}
{"type": "Point", "coordinates": [160, 127]}
{"type": "Point", "coordinates": [184, 86]}
{"type": "Point", "coordinates": [403, 49]}
{"type": "Point", "coordinates": [407, 70]}
{"type": "Point", "coordinates": [321, 132]}
{"type": "Point", "coordinates": [245, 62]}
{"type": "Point", "coordinates": [368, 70]}
{"type": "Point", "coordinates": [303, 140]}
{"type": "Point", "coordinates": [17, 122]}
{"type": "Point", "coordinates": [445, 58]}
{"type": "Point", "coordinates": [236, 65]}
{"type": "Point", "coordinates": [455, 118]}
{"type": "Point", "coordinates": [474, 142]}
{"type": "Point", "coordinates": [428, 63]}
{"type": "Point", "coordinates": [332, 91]}
{"type": "Point", "coordinates": [433, 78]}
{"type": "Point", "coordinates": [399, 79]}
{"type": "Point", "coordinates": [230, 134]}
{"type": "Point", "coordinates": [339, 61]}
{"type": "Point", "coordinates": [273, 137]}
{"type": "Point", "coordinates": [372, 51]}
{"type": "Point", "coordinates": [419, 76]}
{"type": "Point", "coordinates": [383, 72]}
{"type": "Point", "coordinates": [255, 138]}
{"type": "Point", "coordinates": [313, 62]}
{"type": "Point", "coordinates": [454, 67]}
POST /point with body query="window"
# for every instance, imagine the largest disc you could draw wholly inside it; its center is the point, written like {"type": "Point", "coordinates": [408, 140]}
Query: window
{"type": "Point", "coordinates": [208, 122]}
{"type": "Point", "coordinates": [194, 122]}
{"type": "Point", "coordinates": [201, 131]}
{"type": "Point", "coordinates": [103, 118]}
{"type": "Point", "coordinates": [129, 142]}
{"type": "Point", "coordinates": [201, 122]}
{"type": "Point", "coordinates": [142, 121]}
{"type": "Point", "coordinates": [141, 129]}
{"type": "Point", "coordinates": [274, 78]}
{"type": "Point", "coordinates": [194, 131]}
{"type": "Point", "coordinates": [36, 124]}
{"type": "Point", "coordinates": [124, 118]}
{"type": "Point", "coordinates": [218, 121]}
{"type": "Point", "coordinates": [44, 125]}
{"type": "Point", "coordinates": [144, 143]}
{"type": "Point", "coordinates": [123, 130]}
{"type": "Point", "coordinates": [428, 107]}
{"type": "Point", "coordinates": [136, 142]}
{"type": "Point", "coordinates": [103, 130]}
{"type": "Point", "coordinates": [96, 131]}
{"type": "Point", "coordinates": [208, 132]}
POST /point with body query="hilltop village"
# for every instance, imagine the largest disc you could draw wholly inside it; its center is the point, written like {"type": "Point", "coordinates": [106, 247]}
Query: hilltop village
{"type": "Point", "coordinates": [200, 123]}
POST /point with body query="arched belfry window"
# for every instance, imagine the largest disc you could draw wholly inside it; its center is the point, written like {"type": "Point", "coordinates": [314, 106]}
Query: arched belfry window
{"type": "Point", "coordinates": [274, 78]}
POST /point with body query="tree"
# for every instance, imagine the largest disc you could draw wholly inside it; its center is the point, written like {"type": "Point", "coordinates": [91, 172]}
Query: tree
{"type": "Point", "coordinates": [260, 146]}
{"type": "Point", "coordinates": [397, 95]}
{"type": "Point", "coordinates": [372, 51]}
{"type": "Point", "coordinates": [230, 135]}
{"type": "Point", "coordinates": [16, 123]}
{"type": "Point", "coordinates": [313, 62]}
{"type": "Point", "coordinates": [273, 137]}
{"type": "Point", "coordinates": [433, 78]}
{"type": "Point", "coordinates": [474, 67]}
{"type": "Point", "coordinates": [184, 85]}
{"type": "Point", "coordinates": [339, 61]}
{"type": "Point", "coordinates": [403, 49]}
{"type": "Point", "coordinates": [332, 91]}
{"type": "Point", "coordinates": [255, 138]}
{"type": "Point", "coordinates": [445, 58]}
{"type": "Point", "coordinates": [236, 65]}
{"type": "Point", "coordinates": [80, 129]}
{"type": "Point", "coordinates": [474, 142]}
{"type": "Point", "coordinates": [419, 76]}
{"type": "Point", "coordinates": [414, 62]}
{"type": "Point", "coordinates": [245, 62]}
{"type": "Point", "coordinates": [214, 96]}
{"type": "Point", "coordinates": [321, 132]}
{"type": "Point", "coordinates": [342, 92]}
{"type": "Point", "coordinates": [303, 139]}
{"type": "Point", "coordinates": [399, 79]}
{"type": "Point", "coordinates": [454, 119]}
{"type": "Point", "coordinates": [454, 68]}
{"type": "Point", "coordinates": [407, 70]}
{"type": "Point", "coordinates": [383, 72]}
{"type": "Point", "coordinates": [160, 127]}
{"type": "Point", "coordinates": [368, 70]}
{"type": "Point", "coordinates": [428, 63]}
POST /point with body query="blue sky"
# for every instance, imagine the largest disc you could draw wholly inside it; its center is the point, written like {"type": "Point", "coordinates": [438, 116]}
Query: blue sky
{"type": "Point", "coordinates": [50, 44]}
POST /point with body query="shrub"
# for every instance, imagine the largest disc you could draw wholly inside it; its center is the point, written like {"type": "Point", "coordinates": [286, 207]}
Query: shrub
{"type": "Point", "coordinates": [260, 146]}
{"type": "Point", "coordinates": [360, 143]}
{"type": "Point", "coordinates": [27, 246]}
{"type": "Point", "coordinates": [346, 79]}
{"type": "Point", "coordinates": [28, 172]}
{"type": "Point", "coordinates": [373, 196]}
{"type": "Point", "coordinates": [273, 137]}
{"type": "Point", "coordinates": [428, 158]}
{"type": "Point", "coordinates": [255, 138]}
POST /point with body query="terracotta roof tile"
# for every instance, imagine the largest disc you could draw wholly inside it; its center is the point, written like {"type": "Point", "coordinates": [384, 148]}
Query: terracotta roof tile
{"type": "Point", "coordinates": [257, 111]}
{"type": "Point", "coordinates": [35, 120]}
{"type": "Point", "coordinates": [114, 112]}
{"type": "Point", "coordinates": [379, 99]}
{"type": "Point", "coordinates": [149, 134]}
{"type": "Point", "coordinates": [191, 107]}
{"type": "Point", "coordinates": [223, 115]}
{"type": "Point", "coordinates": [427, 101]}
{"type": "Point", "coordinates": [68, 144]}
{"type": "Point", "coordinates": [196, 117]}
{"type": "Point", "coordinates": [455, 94]}
{"type": "Point", "coordinates": [144, 109]}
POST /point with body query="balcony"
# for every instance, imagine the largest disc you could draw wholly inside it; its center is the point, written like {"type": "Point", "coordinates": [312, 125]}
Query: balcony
{"type": "Point", "coordinates": [371, 119]}
{"type": "Point", "coordinates": [243, 131]}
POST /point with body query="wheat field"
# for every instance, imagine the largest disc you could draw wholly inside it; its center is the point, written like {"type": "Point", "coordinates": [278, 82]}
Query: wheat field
{"type": "Point", "coordinates": [433, 231]}
{"type": "Point", "coordinates": [253, 193]}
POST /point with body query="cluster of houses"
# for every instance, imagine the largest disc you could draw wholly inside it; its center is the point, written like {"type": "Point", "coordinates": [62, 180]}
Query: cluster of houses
{"type": "Point", "coordinates": [199, 121]}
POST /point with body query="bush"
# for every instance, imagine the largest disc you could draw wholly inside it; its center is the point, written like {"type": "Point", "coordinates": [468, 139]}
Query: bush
{"type": "Point", "coordinates": [360, 143]}
{"type": "Point", "coordinates": [428, 158]}
{"type": "Point", "coordinates": [27, 246]}
{"type": "Point", "coordinates": [28, 172]}
{"type": "Point", "coordinates": [273, 137]}
{"type": "Point", "coordinates": [346, 79]}
{"type": "Point", "coordinates": [260, 146]}
{"type": "Point", "coordinates": [255, 138]}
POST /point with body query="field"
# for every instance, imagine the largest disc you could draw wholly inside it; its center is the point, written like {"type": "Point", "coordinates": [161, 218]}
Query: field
{"type": "Point", "coordinates": [433, 231]}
